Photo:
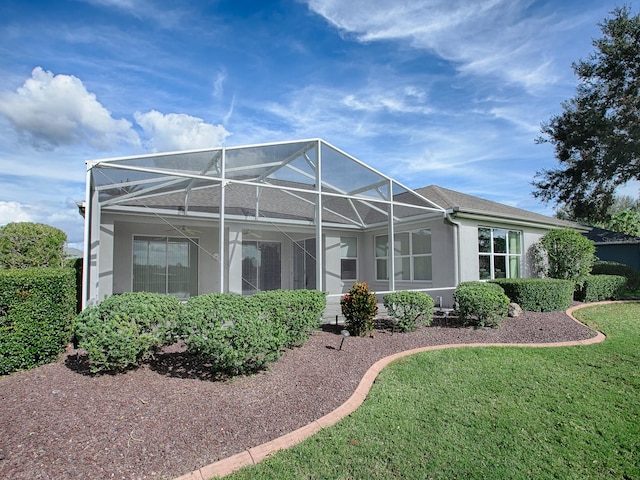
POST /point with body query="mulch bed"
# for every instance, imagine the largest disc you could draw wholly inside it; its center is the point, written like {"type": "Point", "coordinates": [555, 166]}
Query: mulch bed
{"type": "Point", "coordinates": [170, 416]}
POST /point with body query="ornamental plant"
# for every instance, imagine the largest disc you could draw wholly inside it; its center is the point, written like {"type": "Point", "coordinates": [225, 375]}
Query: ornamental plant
{"type": "Point", "coordinates": [119, 332]}
{"type": "Point", "coordinates": [408, 308]}
{"type": "Point", "coordinates": [570, 255]}
{"type": "Point", "coordinates": [359, 308]}
{"type": "Point", "coordinates": [481, 304]}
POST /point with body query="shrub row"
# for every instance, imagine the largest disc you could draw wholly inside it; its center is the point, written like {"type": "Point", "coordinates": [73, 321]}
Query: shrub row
{"type": "Point", "coordinates": [408, 308]}
{"type": "Point", "coordinates": [235, 334]}
{"type": "Point", "coordinates": [538, 294]}
{"type": "Point", "coordinates": [596, 288]}
{"type": "Point", "coordinates": [37, 306]}
{"type": "Point", "coordinates": [125, 328]}
{"type": "Point", "coordinates": [481, 303]}
{"type": "Point", "coordinates": [615, 268]}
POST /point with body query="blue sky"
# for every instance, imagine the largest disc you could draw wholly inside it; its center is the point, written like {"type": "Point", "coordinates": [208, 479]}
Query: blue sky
{"type": "Point", "coordinates": [446, 92]}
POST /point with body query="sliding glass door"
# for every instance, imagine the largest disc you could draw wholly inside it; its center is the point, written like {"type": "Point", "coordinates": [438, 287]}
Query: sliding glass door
{"type": "Point", "coordinates": [304, 264]}
{"type": "Point", "coordinates": [261, 266]}
{"type": "Point", "coordinates": [165, 265]}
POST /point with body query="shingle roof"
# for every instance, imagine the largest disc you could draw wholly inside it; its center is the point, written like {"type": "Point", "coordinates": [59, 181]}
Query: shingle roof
{"type": "Point", "coordinates": [601, 236]}
{"type": "Point", "coordinates": [458, 202]}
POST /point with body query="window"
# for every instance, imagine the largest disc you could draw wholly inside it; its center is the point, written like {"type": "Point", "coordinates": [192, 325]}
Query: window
{"type": "Point", "coordinates": [165, 265]}
{"type": "Point", "coordinates": [348, 258]}
{"type": "Point", "coordinates": [500, 253]}
{"type": "Point", "coordinates": [261, 267]}
{"type": "Point", "coordinates": [304, 264]}
{"type": "Point", "coordinates": [412, 252]}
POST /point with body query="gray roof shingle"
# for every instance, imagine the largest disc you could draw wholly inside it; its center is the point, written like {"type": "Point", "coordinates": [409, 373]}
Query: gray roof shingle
{"type": "Point", "coordinates": [458, 202]}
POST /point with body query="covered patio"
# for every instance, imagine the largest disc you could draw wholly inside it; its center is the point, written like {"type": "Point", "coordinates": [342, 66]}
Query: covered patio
{"type": "Point", "coordinates": [231, 215]}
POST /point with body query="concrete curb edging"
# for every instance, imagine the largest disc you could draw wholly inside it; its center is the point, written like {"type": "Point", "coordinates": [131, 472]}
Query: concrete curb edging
{"type": "Point", "coordinates": [256, 454]}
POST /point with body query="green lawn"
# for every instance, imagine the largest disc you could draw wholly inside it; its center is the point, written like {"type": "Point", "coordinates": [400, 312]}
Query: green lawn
{"type": "Point", "coordinates": [490, 413]}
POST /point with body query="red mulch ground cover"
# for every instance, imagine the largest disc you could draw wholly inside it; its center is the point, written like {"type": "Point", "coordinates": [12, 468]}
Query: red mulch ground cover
{"type": "Point", "coordinates": [170, 416]}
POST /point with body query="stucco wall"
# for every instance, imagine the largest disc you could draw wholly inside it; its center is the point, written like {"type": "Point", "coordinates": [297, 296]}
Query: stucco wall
{"type": "Point", "coordinates": [469, 245]}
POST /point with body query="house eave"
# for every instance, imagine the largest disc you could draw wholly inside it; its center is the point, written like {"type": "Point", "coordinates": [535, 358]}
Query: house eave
{"type": "Point", "coordinates": [478, 215]}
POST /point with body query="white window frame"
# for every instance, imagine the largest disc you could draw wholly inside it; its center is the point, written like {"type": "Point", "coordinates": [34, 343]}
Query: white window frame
{"type": "Point", "coordinates": [346, 257]}
{"type": "Point", "coordinates": [507, 255]}
{"type": "Point", "coordinates": [412, 256]}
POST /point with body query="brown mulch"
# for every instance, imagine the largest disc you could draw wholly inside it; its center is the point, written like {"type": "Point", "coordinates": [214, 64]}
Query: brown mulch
{"type": "Point", "coordinates": [170, 417]}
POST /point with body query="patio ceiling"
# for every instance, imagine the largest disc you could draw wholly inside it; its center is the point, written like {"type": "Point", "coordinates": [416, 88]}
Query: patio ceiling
{"type": "Point", "coordinates": [275, 183]}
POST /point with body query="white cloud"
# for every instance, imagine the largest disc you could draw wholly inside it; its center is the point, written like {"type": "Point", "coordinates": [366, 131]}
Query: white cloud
{"type": "Point", "coordinates": [218, 84]}
{"type": "Point", "coordinates": [14, 212]}
{"type": "Point", "coordinates": [484, 37]}
{"type": "Point", "coordinates": [54, 110]}
{"type": "Point", "coordinates": [177, 131]}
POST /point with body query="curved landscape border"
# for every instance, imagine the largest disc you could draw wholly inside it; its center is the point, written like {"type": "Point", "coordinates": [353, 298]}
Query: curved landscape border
{"type": "Point", "coordinates": [255, 455]}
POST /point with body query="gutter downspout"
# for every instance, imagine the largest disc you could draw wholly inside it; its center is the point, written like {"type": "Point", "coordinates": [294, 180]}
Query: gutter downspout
{"type": "Point", "coordinates": [456, 245]}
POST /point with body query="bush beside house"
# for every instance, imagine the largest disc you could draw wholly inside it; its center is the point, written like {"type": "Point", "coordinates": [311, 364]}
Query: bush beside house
{"type": "Point", "coordinates": [615, 268]}
{"type": "Point", "coordinates": [37, 306]}
{"type": "Point", "coordinates": [537, 294]}
{"type": "Point", "coordinates": [409, 308]}
{"type": "Point", "coordinates": [596, 288]}
{"type": "Point", "coordinates": [481, 304]}
{"type": "Point", "coordinates": [233, 334]}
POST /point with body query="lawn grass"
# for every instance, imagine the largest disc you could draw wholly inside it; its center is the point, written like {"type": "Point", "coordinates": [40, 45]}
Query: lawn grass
{"type": "Point", "coordinates": [490, 413]}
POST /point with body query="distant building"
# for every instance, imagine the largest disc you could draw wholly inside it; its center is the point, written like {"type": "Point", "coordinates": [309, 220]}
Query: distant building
{"type": "Point", "coordinates": [616, 247]}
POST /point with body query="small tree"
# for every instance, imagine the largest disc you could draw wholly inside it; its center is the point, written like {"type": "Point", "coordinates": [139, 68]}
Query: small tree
{"type": "Point", "coordinates": [359, 307]}
{"type": "Point", "coordinates": [570, 255]}
{"type": "Point", "coordinates": [626, 221]}
{"type": "Point", "coordinates": [26, 244]}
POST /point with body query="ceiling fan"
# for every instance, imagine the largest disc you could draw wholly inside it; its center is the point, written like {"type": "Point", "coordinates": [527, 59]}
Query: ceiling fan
{"type": "Point", "coordinates": [251, 233]}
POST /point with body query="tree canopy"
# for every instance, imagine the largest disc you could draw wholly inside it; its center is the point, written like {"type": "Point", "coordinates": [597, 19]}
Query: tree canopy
{"type": "Point", "coordinates": [26, 244]}
{"type": "Point", "coordinates": [597, 136]}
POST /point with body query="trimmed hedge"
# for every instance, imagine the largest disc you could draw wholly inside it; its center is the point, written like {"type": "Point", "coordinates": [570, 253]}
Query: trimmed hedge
{"type": "Point", "coordinates": [538, 294]}
{"type": "Point", "coordinates": [409, 307]}
{"type": "Point", "coordinates": [615, 268]}
{"type": "Point", "coordinates": [241, 335]}
{"type": "Point", "coordinates": [481, 303]}
{"type": "Point", "coordinates": [601, 287]}
{"type": "Point", "coordinates": [299, 311]}
{"type": "Point", "coordinates": [120, 331]}
{"type": "Point", "coordinates": [37, 306]}
{"type": "Point", "coordinates": [229, 331]}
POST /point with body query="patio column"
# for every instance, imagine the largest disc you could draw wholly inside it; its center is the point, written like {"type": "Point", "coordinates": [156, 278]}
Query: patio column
{"type": "Point", "coordinates": [391, 250]}
{"type": "Point", "coordinates": [319, 243]}
{"type": "Point", "coordinates": [86, 256]}
{"type": "Point", "coordinates": [221, 224]}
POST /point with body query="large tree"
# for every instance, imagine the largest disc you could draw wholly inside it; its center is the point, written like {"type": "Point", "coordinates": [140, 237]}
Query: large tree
{"type": "Point", "coordinates": [597, 136]}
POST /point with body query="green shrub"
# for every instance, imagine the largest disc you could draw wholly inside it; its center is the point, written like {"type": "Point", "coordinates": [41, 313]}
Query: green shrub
{"type": "Point", "coordinates": [481, 304]}
{"type": "Point", "coordinates": [601, 287]}
{"type": "Point", "coordinates": [359, 308]}
{"type": "Point", "coordinates": [615, 268]}
{"type": "Point", "coordinates": [37, 306]}
{"type": "Point", "coordinates": [27, 245]}
{"type": "Point", "coordinates": [570, 255]}
{"type": "Point", "coordinates": [119, 332]}
{"type": "Point", "coordinates": [76, 265]}
{"type": "Point", "coordinates": [231, 333]}
{"type": "Point", "coordinates": [409, 307]}
{"type": "Point", "coordinates": [299, 311]}
{"type": "Point", "coordinates": [204, 315]}
{"type": "Point", "coordinates": [538, 294]}
{"type": "Point", "coordinates": [249, 345]}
